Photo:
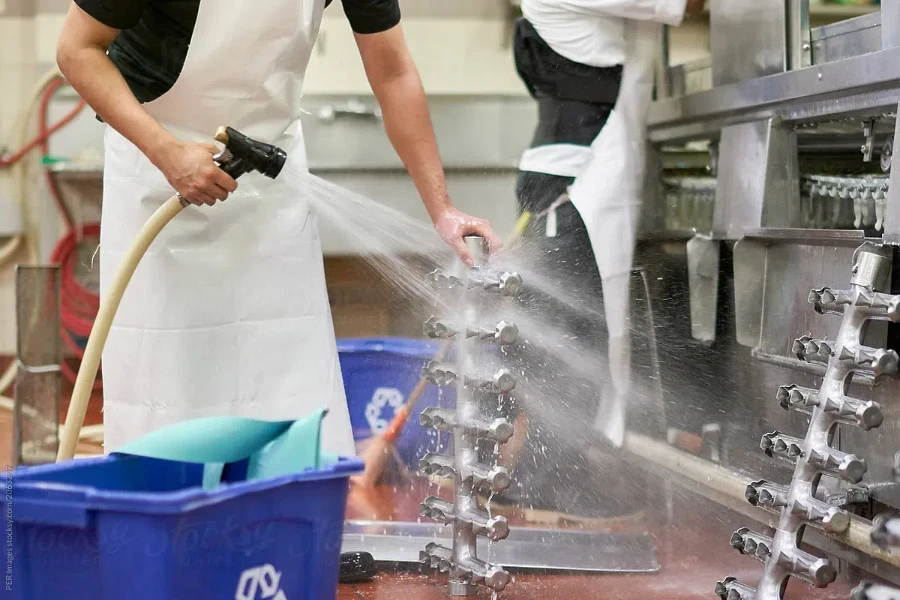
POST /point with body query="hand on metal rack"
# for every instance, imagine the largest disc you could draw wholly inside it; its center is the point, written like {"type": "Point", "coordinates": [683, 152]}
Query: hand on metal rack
{"type": "Point", "coordinates": [190, 169]}
{"type": "Point", "coordinates": [453, 225]}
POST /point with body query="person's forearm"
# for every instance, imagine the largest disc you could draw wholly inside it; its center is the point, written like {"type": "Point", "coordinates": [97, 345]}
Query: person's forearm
{"type": "Point", "coordinates": [408, 125]}
{"type": "Point", "coordinates": [96, 79]}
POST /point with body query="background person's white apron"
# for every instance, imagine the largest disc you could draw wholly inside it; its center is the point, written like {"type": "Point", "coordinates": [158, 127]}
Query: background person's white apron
{"type": "Point", "coordinates": [227, 314]}
{"type": "Point", "coordinates": [608, 195]}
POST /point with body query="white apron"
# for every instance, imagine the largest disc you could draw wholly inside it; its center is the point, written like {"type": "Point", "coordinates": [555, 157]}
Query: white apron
{"type": "Point", "coordinates": [227, 314]}
{"type": "Point", "coordinates": [608, 195]}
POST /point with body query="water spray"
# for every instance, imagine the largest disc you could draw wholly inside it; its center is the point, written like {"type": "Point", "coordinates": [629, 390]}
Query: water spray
{"type": "Point", "coordinates": [469, 469]}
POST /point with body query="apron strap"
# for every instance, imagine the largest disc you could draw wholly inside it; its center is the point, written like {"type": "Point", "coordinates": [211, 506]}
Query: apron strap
{"type": "Point", "coordinates": [548, 74]}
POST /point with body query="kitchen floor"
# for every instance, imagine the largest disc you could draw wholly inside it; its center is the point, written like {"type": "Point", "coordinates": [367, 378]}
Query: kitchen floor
{"type": "Point", "coordinates": [693, 552]}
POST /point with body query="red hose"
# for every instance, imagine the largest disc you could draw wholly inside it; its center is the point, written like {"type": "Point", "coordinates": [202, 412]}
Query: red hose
{"type": "Point", "coordinates": [46, 97]}
{"type": "Point", "coordinates": [44, 134]}
{"type": "Point", "coordinates": [78, 305]}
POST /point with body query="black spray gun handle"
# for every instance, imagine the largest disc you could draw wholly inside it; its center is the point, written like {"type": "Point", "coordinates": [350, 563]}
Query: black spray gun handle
{"type": "Point", "coordinates": [243, 154]}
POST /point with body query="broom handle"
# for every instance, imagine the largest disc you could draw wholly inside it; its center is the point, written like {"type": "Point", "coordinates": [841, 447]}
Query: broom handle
{"type": "Point", "coordinates": [399, 421]}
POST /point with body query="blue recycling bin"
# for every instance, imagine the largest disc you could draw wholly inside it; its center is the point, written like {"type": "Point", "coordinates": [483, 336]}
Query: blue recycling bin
{"type": "Point", "coordinates": [130, 527]}
{"type": "Point", "coordinates": [379, 375]}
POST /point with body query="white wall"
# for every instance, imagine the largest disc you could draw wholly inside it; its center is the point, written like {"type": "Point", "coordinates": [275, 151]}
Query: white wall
{"type": "Point", "coordinates": [461, 47]}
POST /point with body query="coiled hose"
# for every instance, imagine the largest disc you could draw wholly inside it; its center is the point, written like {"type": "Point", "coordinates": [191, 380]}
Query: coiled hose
{"type": "Point", "coordinates": [78, 305]}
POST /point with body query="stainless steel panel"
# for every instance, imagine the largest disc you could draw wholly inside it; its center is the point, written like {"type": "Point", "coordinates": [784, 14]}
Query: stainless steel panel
{"type": "Point", "coordinates": [473, 132]}
{"type": "Point", "coordinates": [749, 283]}
{"type": "Point", "coordinates": [39, 355]}
{"type": "Point", "coordinates": [890, 28]}
{"type": "Point", "coordinates": [781, 204]}
{"type": "Point", "coordinates": [873, 102]}
{"type": "Point", "coordinates": [747, 39]}
{"type": "Point", "coordinates": [793, 268]}
{"type": "Point", "coordinates": [703, 273]}
{"type": "Point", "coordinates": [845, 39]}
{"type": "Point", "coordinates": [727, 386]}
{"type": "Point", "coordinates": [740, 191]}
{"type": "Point", "coordinates": [525, 548]}
{"type": "Point", "coordinates": [798, 51]}
{"type": "Point", "coordinates": [874, 72]}
{"type": "Point", "coordinates": [892, 208]}
{"type": "Point", "coordinates": [663, 81]}
{"type": "Point", "coordinates": [758, 183]}
{"type": "Point", "coordinates": [724, 385]}
{"type": "Point", "coordinates": [690, 78]}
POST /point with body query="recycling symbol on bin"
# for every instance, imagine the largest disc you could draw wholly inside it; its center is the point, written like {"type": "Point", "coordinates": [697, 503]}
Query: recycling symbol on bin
{"type": "Point", "coordinates": [382, 397]}
{"type": "Point", "coordinates": [260, 583]}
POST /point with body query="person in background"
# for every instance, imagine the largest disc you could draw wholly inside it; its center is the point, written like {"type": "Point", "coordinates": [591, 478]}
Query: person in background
{"type": "Point", "coordinates": [589, 65]}
{"type": "Point", "coordinates": [228, 312]}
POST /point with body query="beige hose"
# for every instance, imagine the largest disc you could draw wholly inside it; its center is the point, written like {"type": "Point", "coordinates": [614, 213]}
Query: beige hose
{"type": "Point", "coordinates": [10, 249]}
{"type": "Point", "coordinates": [20, 169]}
{"type": "Point", "coordinates": [109, 304]}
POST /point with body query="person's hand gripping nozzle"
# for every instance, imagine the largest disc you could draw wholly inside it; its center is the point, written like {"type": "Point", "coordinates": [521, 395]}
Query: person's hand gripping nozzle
{"type": "Point", "coordinates": [240, 156]}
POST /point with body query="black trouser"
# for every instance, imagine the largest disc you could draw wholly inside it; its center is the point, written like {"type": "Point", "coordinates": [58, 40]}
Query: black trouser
{"type": "Point", "coordinates": [565, 381]}
{"type": "Point", "coordinates": [565, 363]}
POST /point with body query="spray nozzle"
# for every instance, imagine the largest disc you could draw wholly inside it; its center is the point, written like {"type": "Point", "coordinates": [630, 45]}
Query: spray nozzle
{"type": "Point", "coordinates": [243, 154]}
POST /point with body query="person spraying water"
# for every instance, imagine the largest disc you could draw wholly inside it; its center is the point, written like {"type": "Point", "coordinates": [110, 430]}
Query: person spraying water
{"type": "Point", "coordinates": [228, 313]}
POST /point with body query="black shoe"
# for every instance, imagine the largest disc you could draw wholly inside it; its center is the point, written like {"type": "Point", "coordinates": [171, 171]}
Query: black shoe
{"type": "Point", "coordinates": [357, 567]}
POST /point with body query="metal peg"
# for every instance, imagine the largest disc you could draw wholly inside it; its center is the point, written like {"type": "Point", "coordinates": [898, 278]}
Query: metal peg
{"type": "Point", "coordinates": [731, 589]}
{"type": "Point", "coordinates": [812, 569]}
{"type": "Point", "coordinates": [766, 495]}
{"type": "Point", "coordinates": [752, 544]}
{"type": "Point", "coordinates": [848, 467]}
{"type": "Point", "coordinates": [832, 518]}
{"type": "Point", "coordinates": [776, 444]}
{"type": "Point", "coordinates": [794, 397]}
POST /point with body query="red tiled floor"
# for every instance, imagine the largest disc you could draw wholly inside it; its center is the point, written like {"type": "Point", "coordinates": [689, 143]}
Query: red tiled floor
{"type": "Point", "coordinates": [694, 553]}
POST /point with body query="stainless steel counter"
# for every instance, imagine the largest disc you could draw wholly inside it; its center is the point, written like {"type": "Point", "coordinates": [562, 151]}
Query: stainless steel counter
{"type": "Point", "coordinates": [853, 85]}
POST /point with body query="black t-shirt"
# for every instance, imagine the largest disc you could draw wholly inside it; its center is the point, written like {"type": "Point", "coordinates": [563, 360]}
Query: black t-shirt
{"type": "Point", "coordinates": [152, 46]}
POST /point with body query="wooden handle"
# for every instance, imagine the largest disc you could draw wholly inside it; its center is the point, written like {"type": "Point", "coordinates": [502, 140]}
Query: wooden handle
{"type": "Point", "coordinates": [396, 427]}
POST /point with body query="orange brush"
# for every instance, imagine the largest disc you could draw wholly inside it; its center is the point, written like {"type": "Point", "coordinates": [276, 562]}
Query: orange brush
{"type": "Point", "coordinates": [378, 450]}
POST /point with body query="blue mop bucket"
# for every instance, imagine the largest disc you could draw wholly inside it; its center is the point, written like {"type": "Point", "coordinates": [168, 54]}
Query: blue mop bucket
{"type": "Point", "coordinates": [144, 529]}
{"type": "Point", "coordinates": [379, 375]}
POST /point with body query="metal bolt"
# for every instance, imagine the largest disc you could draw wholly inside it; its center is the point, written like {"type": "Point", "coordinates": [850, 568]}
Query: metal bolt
{"type": "Point", "coordinates": [501, 430]}
{"type": "Point", "coordinates": [836, 521]}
